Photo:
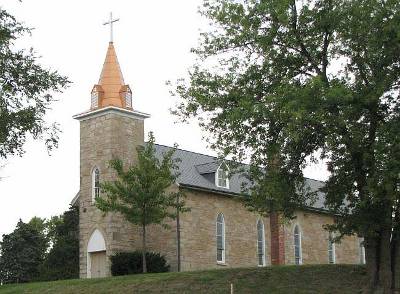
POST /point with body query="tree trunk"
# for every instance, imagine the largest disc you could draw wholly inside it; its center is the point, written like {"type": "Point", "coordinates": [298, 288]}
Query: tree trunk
{"type": "Point", "coordinates": [371, 257]}
{"type": "Point", "coordinates": [178, 235]}
{"type": "Point", "coordinates": [396, 265]}
{"type": "Point", "coordinates": [396, 252]}
{"type": "Point", "coordinates": [144, 248]}
{"type": "Point", "coordinates": [385, 265]}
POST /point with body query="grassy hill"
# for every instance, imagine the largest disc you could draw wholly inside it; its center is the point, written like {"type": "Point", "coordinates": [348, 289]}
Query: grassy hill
{"type": "Point", "coordinates": [283, 279]}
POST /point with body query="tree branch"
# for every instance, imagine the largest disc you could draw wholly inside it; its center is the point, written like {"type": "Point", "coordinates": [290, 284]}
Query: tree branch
{"type": "Point", "coordinates": [303, 48]}
{"type": "Point", "coordinates": [327, 35]}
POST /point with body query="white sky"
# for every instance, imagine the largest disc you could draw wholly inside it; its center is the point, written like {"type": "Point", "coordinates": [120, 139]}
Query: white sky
{"type": "Point", "coordinates": [152, 40]}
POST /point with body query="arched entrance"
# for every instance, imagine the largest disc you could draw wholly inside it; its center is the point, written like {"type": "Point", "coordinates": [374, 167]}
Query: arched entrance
{"type": "Point", "coordinates": [96, 256]}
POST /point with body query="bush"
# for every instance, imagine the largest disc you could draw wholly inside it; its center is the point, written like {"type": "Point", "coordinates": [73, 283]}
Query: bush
{"type": "Point", "coordinates": [127, 263]}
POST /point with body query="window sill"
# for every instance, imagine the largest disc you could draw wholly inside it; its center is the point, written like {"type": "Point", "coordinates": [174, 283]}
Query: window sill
{"type": "Point", "coordinates": [221, 263]}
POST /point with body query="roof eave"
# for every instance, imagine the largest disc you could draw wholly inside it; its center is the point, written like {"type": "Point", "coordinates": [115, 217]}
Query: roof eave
{"type": "Point", "coordinates": [75, 199]}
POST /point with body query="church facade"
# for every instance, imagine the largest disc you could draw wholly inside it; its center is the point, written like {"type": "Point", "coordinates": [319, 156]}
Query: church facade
{"type": "Point", "coordinates": [218, 232]}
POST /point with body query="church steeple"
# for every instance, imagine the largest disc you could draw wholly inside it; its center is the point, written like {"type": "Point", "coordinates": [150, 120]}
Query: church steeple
{"type": "Point", "coordinates": [110, 129]}
{"type": "Point", "coordinates": [111, 89]}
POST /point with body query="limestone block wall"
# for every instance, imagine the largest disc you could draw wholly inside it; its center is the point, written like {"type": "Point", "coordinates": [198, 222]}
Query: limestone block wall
{"type": "Point", "coordinates": [198, 232]}
{"type": "Point", "coordinates": [101, 139]}
{"type": "Point", "coordinates": [314, 240]}
{"type": "Point", "coordinates": [164, 241]}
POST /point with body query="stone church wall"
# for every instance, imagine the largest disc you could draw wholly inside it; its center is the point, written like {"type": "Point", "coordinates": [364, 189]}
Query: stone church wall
{"type": "Point", "coordinates": [163, 240]}
{"type": "Point", "coordinates": [199, 242]}
{"type": "Point", "coordinates": [198, 232]}
{"type": "Point", "coordinates": [314, 240]}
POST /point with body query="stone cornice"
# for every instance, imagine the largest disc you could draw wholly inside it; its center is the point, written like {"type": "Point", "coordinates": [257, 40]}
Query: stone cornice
{"type": "Point", "coordinates": [111, 109]}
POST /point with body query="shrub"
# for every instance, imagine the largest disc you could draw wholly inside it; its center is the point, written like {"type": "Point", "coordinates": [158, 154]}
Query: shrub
{"type": "Point", "coordinates": [127, 263]}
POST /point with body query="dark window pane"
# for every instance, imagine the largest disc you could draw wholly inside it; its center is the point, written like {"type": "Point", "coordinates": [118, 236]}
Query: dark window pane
{"type": "Point", "coordinates": [260, 260]}
{"type": "Point", "coordinates": [219, 255]}
{"type": "Point", "coordinates": [331, 257]}
{"type": "Point", "coordinates": [220, 243]}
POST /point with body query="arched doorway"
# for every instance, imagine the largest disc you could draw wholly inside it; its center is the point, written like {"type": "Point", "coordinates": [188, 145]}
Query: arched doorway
{"type": "Point", "coordinates": [96, 256]}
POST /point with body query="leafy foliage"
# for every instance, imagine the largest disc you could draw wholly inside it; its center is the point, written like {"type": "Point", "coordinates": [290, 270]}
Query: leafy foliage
{"type": "Point", "coordinates": [293, 82]}
{"type": "Point", "coordinates": [142, 193]}
{"type": "Point", "coordinates": [26, 92]}
{"type": "Point", "coordinates": [127, 263]}
{"type": "Point", "coordinates": [41, 249]}
{"type": "Point", "coordinates": [22, 252]}
{"type": "Point", "coordinates": [62, 260]}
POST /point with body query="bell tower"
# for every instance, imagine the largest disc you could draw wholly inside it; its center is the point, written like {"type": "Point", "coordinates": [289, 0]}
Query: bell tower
{"type": "Point", "coordinates": [111, 128]}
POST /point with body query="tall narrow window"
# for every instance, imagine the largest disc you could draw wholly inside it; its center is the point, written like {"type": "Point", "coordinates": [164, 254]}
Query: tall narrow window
{"type": "Point", "coordinates": [331, 249]}
{"type": "Point", "coordinates": [362, 251]}
{"type": "Point", "coordinates": [220, 238]}
{"type": "Point", "coordinates": [95, 183]}
{"type": "Point", "coordinates": [260, 243]}
{"type": "Point", "coordinates": [221, 177]}
{"type": "Point", "coordinates": [297, 245]}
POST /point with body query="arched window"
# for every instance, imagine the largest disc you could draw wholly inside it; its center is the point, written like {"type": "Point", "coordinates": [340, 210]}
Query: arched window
{"type": "Point", "coordinates": [260, 243]}
{"type": "Point", "coordinates": [297, 245]}
{"type": "Point", "coordinates": [331, 249]}
{"type": "Point", "coordinates": [220, 234]}
{"type": "Point", "coordinates": [221, 176]}
{"type": "Point", "coordinates": [95, 183]}
{"type": "Point", "coordinates": [362, 251]}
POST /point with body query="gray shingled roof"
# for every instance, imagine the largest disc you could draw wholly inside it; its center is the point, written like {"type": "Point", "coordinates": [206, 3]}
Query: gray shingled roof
{"type": "Point", "coordinates": [207, 168]}
{"type": "Point", "coordinates": [198, 171]}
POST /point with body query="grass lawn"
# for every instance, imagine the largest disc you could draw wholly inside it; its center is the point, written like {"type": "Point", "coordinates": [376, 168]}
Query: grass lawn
{"type": "Point", "coordinates": [280, 279]}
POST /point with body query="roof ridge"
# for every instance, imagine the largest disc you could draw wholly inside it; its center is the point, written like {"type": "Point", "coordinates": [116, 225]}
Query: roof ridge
{"type": "Point", "coordinates": [186, 150]}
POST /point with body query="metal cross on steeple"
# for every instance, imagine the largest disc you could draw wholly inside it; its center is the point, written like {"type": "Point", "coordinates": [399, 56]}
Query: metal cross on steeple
{"type": "Point", "coordinates": [110, 22]}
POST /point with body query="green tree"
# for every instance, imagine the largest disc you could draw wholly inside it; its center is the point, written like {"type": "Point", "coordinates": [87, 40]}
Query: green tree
{"type": "Point", "coordinates": [142, 193]}
{"type": "Point", "coordinates": [290, 82]}
{"type": "Point", "coordinates": [22, 252]}
{"type": "Point", "coordinates": [62, 260]}
{"type": "Point", "coordinates": [26, 92]}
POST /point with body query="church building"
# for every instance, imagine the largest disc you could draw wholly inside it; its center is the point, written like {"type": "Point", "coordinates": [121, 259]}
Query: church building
{"type": "Point", "coordinates": [218, 232]}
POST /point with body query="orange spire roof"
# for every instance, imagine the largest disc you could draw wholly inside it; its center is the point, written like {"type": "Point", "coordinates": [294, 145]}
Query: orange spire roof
{"type": "Point", "coordinates": [111, 87]}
